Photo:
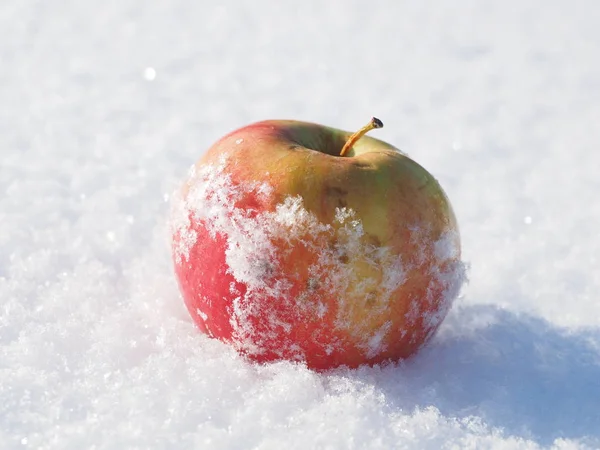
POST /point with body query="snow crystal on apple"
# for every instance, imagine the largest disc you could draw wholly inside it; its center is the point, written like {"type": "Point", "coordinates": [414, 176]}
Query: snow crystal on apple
{"type": "Point", "coordinates": [254, 255]}
{"type": "Point", "coordinates": [201, 314]}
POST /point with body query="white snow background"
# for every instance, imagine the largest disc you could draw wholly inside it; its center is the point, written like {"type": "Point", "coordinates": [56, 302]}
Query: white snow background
{"type": "Point", "coordinates": [105, 104]}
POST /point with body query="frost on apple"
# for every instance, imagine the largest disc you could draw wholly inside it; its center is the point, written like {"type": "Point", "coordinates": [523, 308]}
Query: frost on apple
{"type": "Point", "coordinates": [295, 284]}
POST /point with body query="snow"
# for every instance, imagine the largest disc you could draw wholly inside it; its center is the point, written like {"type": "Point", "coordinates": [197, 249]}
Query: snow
{"type": "Point", "coordinates": [106, 105]}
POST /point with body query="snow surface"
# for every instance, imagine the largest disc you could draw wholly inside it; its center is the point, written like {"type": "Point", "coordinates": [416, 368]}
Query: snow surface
{"type": "Point", "coordinates": [105, 105]}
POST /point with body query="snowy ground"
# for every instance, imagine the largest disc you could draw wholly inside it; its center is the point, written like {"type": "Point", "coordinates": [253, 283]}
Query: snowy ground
{"type": "Point", "coordinates": [104, 105]}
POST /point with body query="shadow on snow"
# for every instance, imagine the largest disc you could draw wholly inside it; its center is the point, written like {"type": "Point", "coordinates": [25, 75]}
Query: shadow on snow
{"type": "Point", "coordinates": [515, 371]}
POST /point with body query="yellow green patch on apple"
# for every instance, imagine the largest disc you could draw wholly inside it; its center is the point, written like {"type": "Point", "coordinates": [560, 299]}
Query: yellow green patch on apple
{"type": "Point", "coordinates": [296, 241]}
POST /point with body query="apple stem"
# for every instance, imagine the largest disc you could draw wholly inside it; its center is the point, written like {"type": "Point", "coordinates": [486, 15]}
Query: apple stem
{"type": "Point", "coordinates": [373, 123]}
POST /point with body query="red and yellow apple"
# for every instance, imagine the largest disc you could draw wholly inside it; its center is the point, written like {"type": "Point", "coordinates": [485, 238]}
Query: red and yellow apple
{"type": "Point", "coordinates": [296, 241]}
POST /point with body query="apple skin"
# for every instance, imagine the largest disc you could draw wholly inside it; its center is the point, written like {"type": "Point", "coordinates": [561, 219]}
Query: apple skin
{"type": "Point", "coordinates": [289, 252]}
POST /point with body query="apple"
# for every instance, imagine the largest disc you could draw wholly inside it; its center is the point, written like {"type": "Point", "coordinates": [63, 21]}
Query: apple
{"type": "Point", "coordinates": [296, 241]}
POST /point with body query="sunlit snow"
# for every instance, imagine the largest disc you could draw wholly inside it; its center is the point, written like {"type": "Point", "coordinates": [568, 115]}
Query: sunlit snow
{"type": "Point", "coordinates": [105, 106]}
